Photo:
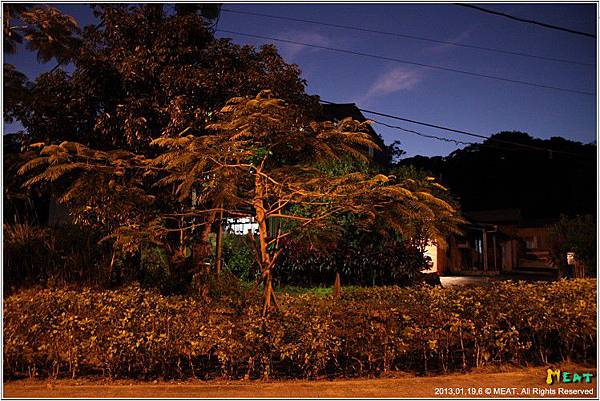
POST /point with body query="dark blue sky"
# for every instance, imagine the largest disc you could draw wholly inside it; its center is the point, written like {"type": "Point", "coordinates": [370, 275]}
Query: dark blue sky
{"type": "Point", "coordinates": [464, 102]}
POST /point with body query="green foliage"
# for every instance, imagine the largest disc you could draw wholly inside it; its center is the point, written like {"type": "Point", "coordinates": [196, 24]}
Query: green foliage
{"type": "Point", "coordinates": [267, 159]}
{"type": "Point", "coordinates": [575, 234]}
{"type": "Point", "coordinates": [343, 165]}
{"type": "Point", "coordinates": [316, 291]}
{"type": "Point", "coordinates": [361, 257]}
{"type": "Point", "coordinates": [139, 333]}
{"type": "Point", "coordinates": [239, 257]}
{"type": "Point", "coordinates": [154, 266]}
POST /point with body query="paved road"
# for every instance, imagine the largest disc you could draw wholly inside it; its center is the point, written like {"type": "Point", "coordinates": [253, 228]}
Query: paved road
{"type": "Point", "coordinates": [455, 385]}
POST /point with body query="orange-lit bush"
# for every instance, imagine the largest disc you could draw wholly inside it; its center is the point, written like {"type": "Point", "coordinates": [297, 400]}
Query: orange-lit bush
{"type": "Point", "coordinates": [139, 333]}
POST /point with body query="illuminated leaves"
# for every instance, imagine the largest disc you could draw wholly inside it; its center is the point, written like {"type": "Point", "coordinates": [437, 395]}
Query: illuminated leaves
{"type": "Point", "coordinates": [138, 333]}
{"type": "Point", "coordinates": [103, 188]}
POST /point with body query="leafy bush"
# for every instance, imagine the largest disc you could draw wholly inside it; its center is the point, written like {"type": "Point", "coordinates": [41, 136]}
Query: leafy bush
{"type": "Point", "coordinates": [225, 286]}
{"type": "Point", "coordinates": [575, 234]}
{"type": "Point", "coordinates": [53, 256]}
{"type": "Point", "coordinates": [154, 268]}
{"type": "Point", "coordinates": [239, 257]}
{"type": "Point", "coordinates": [139, 333]}
{"type": "Point", "coordinates": [26, 247]}
{"type": "Point", "coordinates": [361, 258]}
{"type": "Point", "coordinates": [70, 254]}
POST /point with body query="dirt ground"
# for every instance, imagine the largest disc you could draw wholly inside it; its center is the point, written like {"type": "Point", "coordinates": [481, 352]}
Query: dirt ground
{"type": "Point", "coordinates": [519, 383]}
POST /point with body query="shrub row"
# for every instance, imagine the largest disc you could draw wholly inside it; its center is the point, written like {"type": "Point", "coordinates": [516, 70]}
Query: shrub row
{"type": "Point", "coordinates": [138, 333]}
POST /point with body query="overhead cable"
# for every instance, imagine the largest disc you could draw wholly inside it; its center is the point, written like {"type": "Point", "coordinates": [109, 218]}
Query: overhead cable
{"type": "Point", "coordinates": [409, 62]}
{"type": "Point", "coordinates": [413, 37]}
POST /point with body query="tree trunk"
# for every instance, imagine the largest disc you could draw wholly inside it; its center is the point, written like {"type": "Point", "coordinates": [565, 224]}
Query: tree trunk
{"type": "Point", "coordinates": [219, 243]}
{"type": "Point", "coordinates": [181, 237]}
{"type": "Point", "coordinates": [112, 272]}
{"type": "Point", "coordinates": [203, 251]}
{"type": "Point", "coordinates": [263, 236]}
{"type": "Point", "coordinates": [267, 294]}
{"type": "Point", "coordinates": [112, 262]}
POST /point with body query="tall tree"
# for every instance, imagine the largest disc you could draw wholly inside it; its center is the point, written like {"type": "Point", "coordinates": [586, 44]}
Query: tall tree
{"type": "Point", "coordinates": [259, 162]}
{"type": "Point", "coordinates": [142, 72]}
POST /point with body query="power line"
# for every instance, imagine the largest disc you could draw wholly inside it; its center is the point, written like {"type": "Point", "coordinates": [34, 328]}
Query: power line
{"type": "Point", "coordinates": [412, 37]}
{"type": "Point", "coordinates": [397, 60]}
{"type": "Point", "coordinates": [478, 144]}
{"type": "Point", "coordinates": [472, 134]}
{"type": "Point", "coordinates": [439, 138]}
{"type": "Point", "coordinates": [529, 21]}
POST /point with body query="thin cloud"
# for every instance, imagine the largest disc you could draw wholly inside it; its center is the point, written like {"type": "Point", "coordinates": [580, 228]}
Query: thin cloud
{"type": "Point", "coordinates": [392, 81]}
{"type": "Point", "coordinates": [290, 51]}
{"type": "Point", "coordinates": [444, 47]}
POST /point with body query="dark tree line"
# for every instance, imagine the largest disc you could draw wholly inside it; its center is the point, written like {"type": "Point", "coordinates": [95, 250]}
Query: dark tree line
{"type": "Point", "coordinates": [496, 175]}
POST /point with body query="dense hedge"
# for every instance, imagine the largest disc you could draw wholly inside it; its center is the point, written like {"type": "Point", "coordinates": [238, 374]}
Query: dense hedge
{"type": "Point", "coordinates": [138, 333]}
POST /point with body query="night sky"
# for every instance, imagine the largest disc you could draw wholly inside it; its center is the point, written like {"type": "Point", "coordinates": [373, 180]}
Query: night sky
{"type": "Point", "coordinates": [464, 102]}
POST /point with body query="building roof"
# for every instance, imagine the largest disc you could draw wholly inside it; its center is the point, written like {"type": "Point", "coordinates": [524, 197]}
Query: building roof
{"type": "Point", "coordinates": [339, 111]}
{"type": "Point", "coordinates": [506, 217]}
